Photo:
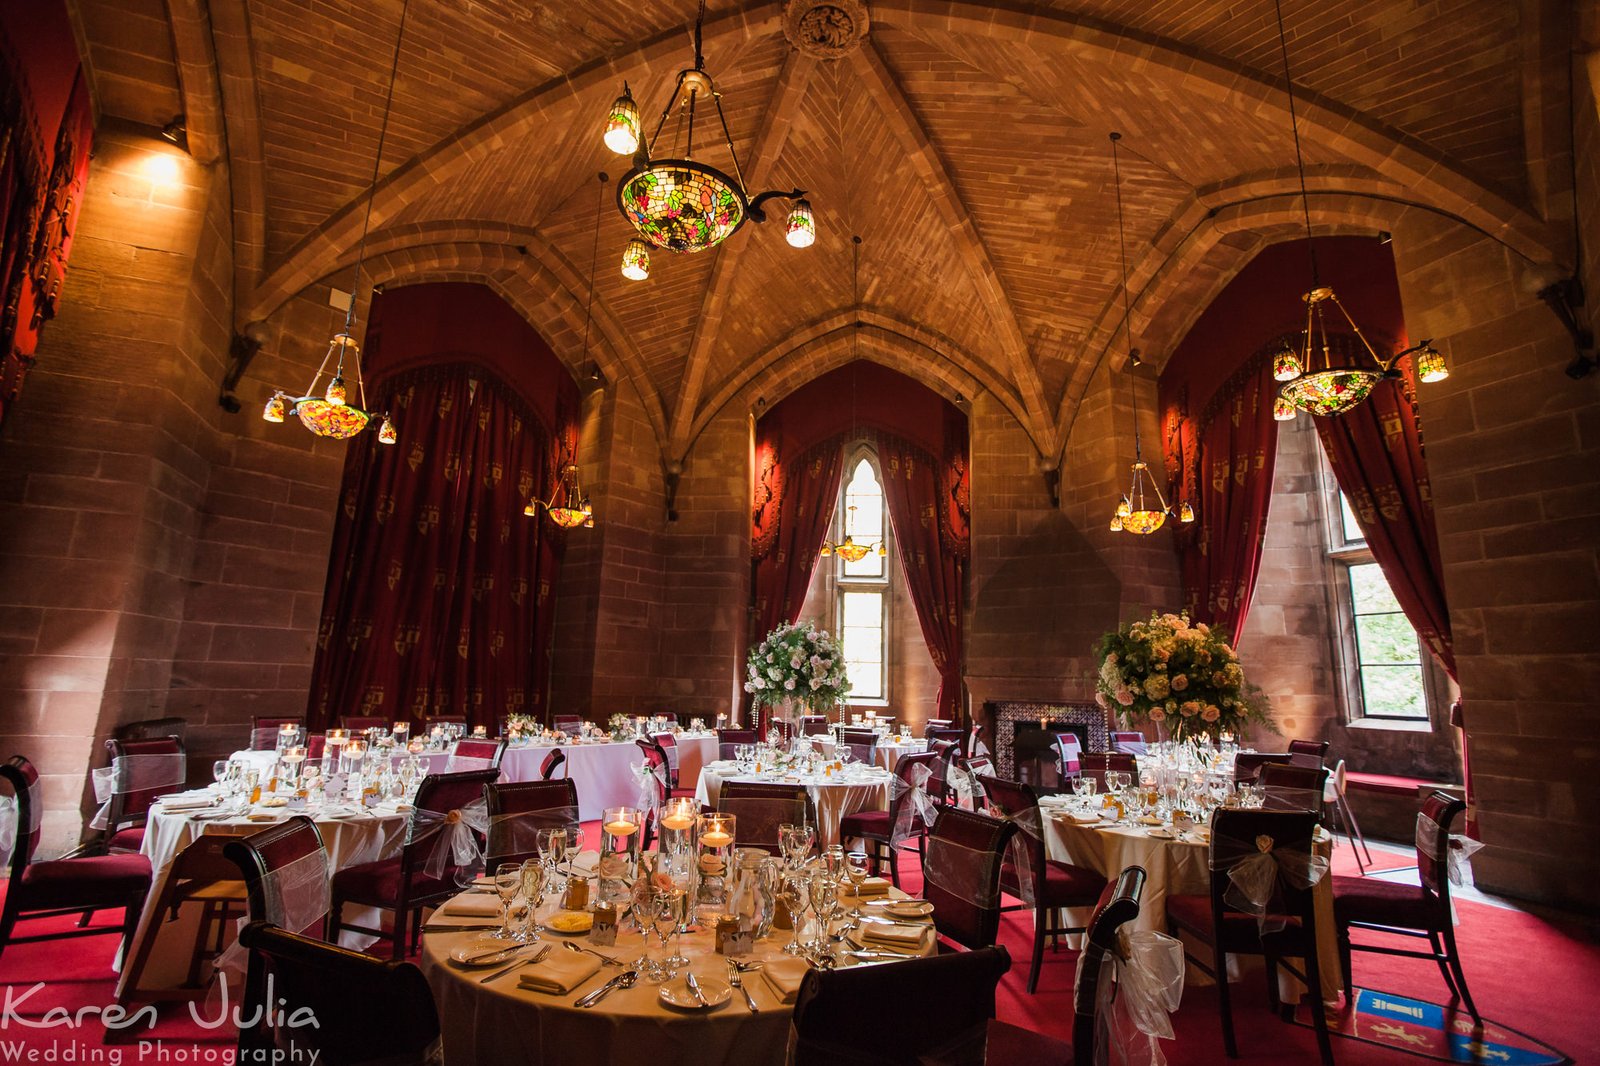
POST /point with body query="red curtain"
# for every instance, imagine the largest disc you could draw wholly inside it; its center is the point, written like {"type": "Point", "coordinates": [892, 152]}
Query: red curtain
{"type": "Point", "coordinates": [927, 506]}
{"type": "Point", "coordinates": [438, 585]}
{"type": "Point", "coordinates": [794, 500]}
{"type": "Point", "coordinates": [1226, 459]}
{"type": "Point", "coordinates": [1376, 454]}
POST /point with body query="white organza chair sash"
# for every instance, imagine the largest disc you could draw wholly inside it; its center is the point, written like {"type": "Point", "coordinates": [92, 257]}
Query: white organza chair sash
{"type": "Point", "coordinates": [1141, 984]}
{"type": "Point", "coordinates": [134, 773]}
{"type": "Point", "coordinates": [462, 763]}
{"type": "Point", "coordinates": [295, 897]}
{"type": "Point", "coordinates": [958, 870]}
{"type": "Point", "coordinates": [1459, 851]}
{"type": "Point", "coordinates": [654, 785]}
{"type": "Point", "coordinates": [1254, 869]}
{"type": "Point", "coordinates": [458, 832]}
{"type": "Point", "coordinates": [517, 833]}
{"type": "Point", "coordinates": [1021, 849]}
{"type": "Point", "coordinates": [908, 798]}
{"type": "Point", "coordinates": [10, 818]}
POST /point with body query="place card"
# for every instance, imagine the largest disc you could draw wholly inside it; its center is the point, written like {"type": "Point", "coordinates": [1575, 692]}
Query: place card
{"type": "Point", "coordinates": [604, 931]}
{"type": "Point", "coordinates": [741, 941]}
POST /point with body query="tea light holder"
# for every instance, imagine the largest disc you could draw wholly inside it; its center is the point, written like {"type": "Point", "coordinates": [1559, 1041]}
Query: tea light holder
{"type": "Point", "coordinates": [292, 759]}
{"type": "Point", "coordinates": [680, 819]}
{"type": "Point", "coordinates": [332, 749]}
{"type": "Point", "coordinates": [352, 756]}
{"type": "Point", "coordinates": [621, 832]}
{"type": "Point", "coordinates": [480, 732]}
{"type": "Point", "coordinates": [401, 734]}
{"type": "Point", "coordinates": [416, 745]}
{"type": "Point", "coordinates": [715, 856]}
{"type": "Point", "coordinates": [288, 736]}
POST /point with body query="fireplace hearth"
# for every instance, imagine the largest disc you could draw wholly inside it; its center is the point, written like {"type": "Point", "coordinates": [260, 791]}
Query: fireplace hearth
{"type": "Point", "coordinates": [1019, 738]}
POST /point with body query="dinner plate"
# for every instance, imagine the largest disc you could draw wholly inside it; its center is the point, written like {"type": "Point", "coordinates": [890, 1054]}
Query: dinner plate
{"type": "Point", "coordinates": [907, 908]}
{"type": "Point", "coordinates": [1162, 832]}
{"type": "Point", "coordinates": [570, 922]}
{"type": "Point", "coordinates": [675, 993]}
{"type": "Point", "coordinates": [483, 951]}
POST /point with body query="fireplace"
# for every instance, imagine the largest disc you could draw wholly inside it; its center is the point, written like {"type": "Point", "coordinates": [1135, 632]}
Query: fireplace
{"type": "Point", "coordinates": [1018, 736]}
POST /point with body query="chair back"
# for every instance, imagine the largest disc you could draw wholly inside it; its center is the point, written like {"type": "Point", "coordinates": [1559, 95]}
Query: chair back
{"type": "Point", "coordinates": [1434, 844]}
{"type": "Point", "coordinates": [944, 735]}
{"type": "Point", "coordinates": [1019, 803]}
{"type": "Point", "coordinates": [438, 795]}
{"type": "Point", "coordinates": [961, 874]}
{"type": "Point", "coordinates": [264, 730]}
{"type": "Point", "coordinates": [1237, 836]}
{"type": "Point", "coordinates": [729, 739]}
{"type": "Point", "coordinates": [762, 807]}
{"type": "Point", "coordinates": [1131, 743]}
{"type": "Point", "coordinates": [567, 723]}
{"type": "Point", "coordinates": [360, 723]}
{"type": "Point", "coordinates": [1293, 788]}
{"type": "Point", "coordinates": [1117, 908]}
{"type": "Point", "coordinates": [554, 760]}
{"type": "Point", "coordinates": [25, 798]}
{"type": "Point", "coordinates": [813, 725]}
{"type": "Point", "coordinates": [285, 873]}
{"type": "Point", "coordinates": [914, 771]}
{"type": "Point", "coordinates": [392, 1020]}
{"type": "Point", "coordinates": [937, 723]}
{"type": "Point", "coordinates": [476, 753]}
{"type": "Point", "coordinates": [886, 1016]}
{"type": "Point", "coordinates": [1308, 752]}
{"type": "Point", "coordinates": [944, 754]}
{"type": "Point", "coordinates": [1247, 764]}
{"type": "Point", "coordinates": [142, 771]}
{"type": "Point", "coordinates": [669, 750]}
{"type": "Point", "coordinates": [1096, 763]}
{"type": "Point", "coordinates": [518, 810]}
{"type": "Point", "coordinates": [863, 745]}
{"type": "Point", "coordinates": [975, 768]}
{"type": "Point", "coordinates": [660, 771]}
{"type": "Point", "coordinates": [153, 729]}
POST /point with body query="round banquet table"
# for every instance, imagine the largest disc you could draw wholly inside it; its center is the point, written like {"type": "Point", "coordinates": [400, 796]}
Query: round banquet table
{"type": "Point", "coordinates": [500, 1023]}
{"type": "Point", "coordinates": [889, 752]}
{"type": "Point", "coordinates": [833, 796]}
{"type": "Point", "coordinates": [350, 834]}
{"type": "Point", "coordinates": [1174, 867]}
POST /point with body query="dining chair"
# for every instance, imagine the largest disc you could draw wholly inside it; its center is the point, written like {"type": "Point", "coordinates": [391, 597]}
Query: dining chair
{"type": "Point", "coordinates": [366, 1010]}
{"type": "Point", "coordinates": [729, 739]}
{"type": "Point", "coordinates": [1308, 752]}
{"type": "Point", "coordinates": [518, 809]}
{"type": "Point", "coordinates": [761, 807]}
{"type": "Point", "coordinates": [554, 759]}
{"type": "Point", "coordinates": [1286, 926]}
{"type": "Point", "coordinates": [1247, 764]}
{"type": "Point", "coordinates": [662, 770]}
{"type": "Point", "coordinates": [945, 735]}
{"type": "Point", "coordinates": [944, 754]}
{"type": "Point", "coordinates": [57, 887]}
{"type": "Point", "coordinates": [141, 772]}
{"type": "Point", "coordinates": [402, 884]}
{"type": "Point", "coordinates": [567, 723]}
{"type": "Point", "coordinates": [1337, 804]}
{"type": "Point", "coordinates": [1287, 787]}
{"type": "Point", "coordinates": [937, 723]}
{"type": "Point", "coordinates": [1048, 887]}
{"type": "Point", "coordinates": [901, 1028]}
{"type": "Point", "coordinates": [1096, 764]}
{"type": "Point", "coordinates": [1069, 758]}
{"type": "Point", "coordinates": [961, 874]}
{"type": "Point", "coordinates": [813, 725]}
{"type": "Point", "coordinates": [202, 878]}
{"type": "Point", "coordinates": [360, 723]}
{"type": "Point", "coordinates": [668, 745]}
{"type": "Point", "coordinates": [153, 729]}
{"type": "Point", "coordinates": [1129, 743]}
{"type": "Point", "coordinates": [264, 730]}
{"type": "Point", "coordinates": [877, 829]}
{"type": "Point", "coordinates": [475, 753]}
{"type": "Point", "coordinates": [1422, 911]}
{"type": "Point", "coordinates": [278, 863]}
{"type": "Point", "coordinates": [974, 768]}
{"type": "Point", "coordinates": [863, 745]}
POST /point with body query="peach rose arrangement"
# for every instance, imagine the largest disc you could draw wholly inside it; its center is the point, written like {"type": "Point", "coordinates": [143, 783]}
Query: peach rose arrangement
{"type": "Point", "coordinates": [1183, 678]}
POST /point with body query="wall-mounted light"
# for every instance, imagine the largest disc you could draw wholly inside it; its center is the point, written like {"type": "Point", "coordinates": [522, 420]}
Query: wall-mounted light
{"type": "Point", "coordinates": [176, 132]}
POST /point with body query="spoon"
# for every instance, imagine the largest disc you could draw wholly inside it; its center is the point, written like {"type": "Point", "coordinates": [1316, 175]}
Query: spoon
{"type": "Point", "coordinates": [604, 958]}
{"type": "Point", "coordinates": [622, 980]}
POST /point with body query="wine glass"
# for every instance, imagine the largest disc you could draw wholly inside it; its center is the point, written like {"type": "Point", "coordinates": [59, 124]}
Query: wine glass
{"type": "Point", "coordinates": [534, 875]}
{"type": "Point", "coordinates": [805, 835]}
{"type": "Point", "coordinates": [792, 894]}
{"type": "Point", "coordinates": [824, 893]}
{"type": "Point", "coordinates": [219, 771]}
{"type": "Point", "coordinates": [507, 882]}
{"type": "Point", "coordinates": [574, 845]}
{"type": "Point", "coordinates": [673, 909]}
{"type": "Point", "coordinates": [856, 869]}
{"type": "Point", "coordinates": [646, 909]}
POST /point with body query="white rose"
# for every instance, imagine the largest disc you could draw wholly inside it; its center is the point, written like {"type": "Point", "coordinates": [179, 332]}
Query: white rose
{"type": "Point", "coordinates": [774, 673]}
{"type": "Point", "coordinates": [769, 657]}
{"type": "Point", "coordinates": [789, 684]}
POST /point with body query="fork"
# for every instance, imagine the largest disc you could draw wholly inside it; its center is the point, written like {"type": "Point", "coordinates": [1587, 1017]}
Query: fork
{"type": "Point", "coordinates": [538, 957]}
{"type": "Point", "coordinates": [736, 979]}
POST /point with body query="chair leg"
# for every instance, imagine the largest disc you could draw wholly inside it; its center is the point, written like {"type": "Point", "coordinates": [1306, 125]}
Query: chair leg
{"type": "Point", "coordinates": [130, 924]}
{"type": "Point", "coordinates": [894, 864]}
{"type": "Point", "coordinates": [1344, 961]}
{"type": "Point", "coordinates": [334, 923]}
{"type": "Point", "coordinates": [1461, 978]}
{"type": "Point", "coordinates": [1224, 999]}
{"type": "Point", "coordinates": [1356, 836]}
{"type": "Point", "coordinates": [1444, 967]}
{"type": "Point", "coordinates": [1274, 1003]}
{"type": "Point", "coordinates": [1319, 1009]}
{"type": "Point", "coordinates": [1041, 922]}
{"type": "Point", "coordinates": [397, 948]}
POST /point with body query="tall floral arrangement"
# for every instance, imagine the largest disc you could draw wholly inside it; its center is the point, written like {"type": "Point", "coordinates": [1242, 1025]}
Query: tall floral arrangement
{"type": "Point", "coordinates": [1182, 677]}
{"type": "Point", "coordinates": [797, 664]}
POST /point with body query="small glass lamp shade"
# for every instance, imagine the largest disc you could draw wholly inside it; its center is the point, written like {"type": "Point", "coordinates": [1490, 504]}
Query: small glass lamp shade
{"type": "Point", "coordinates": [1124, 509]}
{"type": "Point", "coordinates": [1116, 523]}
{"type": "Point", "coordinates": [636, 260]}
{"type": "Point", "coordinates": [1185, 513]}
{"type": "Point", "coordinates": [1282, 409]}
{"type": "Point", "coordinates": [1331, 392]}
{"type": "Point", "coordinates": [801, 231]}
{"type": "Point", "coordinates": [622, 124]}
{"type": "Point", "coordinates": [1286, 365]}
{"type": "Point", "coordinates": [386, 432]}
{"type": "Point", "coordinates": [827, 550]}
{"type": "Point", "coordinates": [337, 394]}
{"type": "Point", "coordinates": [274, 410]}
{"type": "Point", "coordinates": [531, 509]}
{"type": "Point", "coordinates": [1431, 365]}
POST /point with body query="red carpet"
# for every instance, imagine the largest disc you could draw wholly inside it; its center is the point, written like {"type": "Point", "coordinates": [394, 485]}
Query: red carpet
{"type": "Point", "coordinates": [1534, 975]}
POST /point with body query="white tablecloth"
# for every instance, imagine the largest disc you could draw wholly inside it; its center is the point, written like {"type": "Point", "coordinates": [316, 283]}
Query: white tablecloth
{"type": "Point", "coordinates": [888, 751]}
{"type": "Point", "coordinates": [833, 797]}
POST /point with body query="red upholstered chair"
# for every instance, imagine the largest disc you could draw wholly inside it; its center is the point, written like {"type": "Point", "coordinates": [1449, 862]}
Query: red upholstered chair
{"type": "Point", "coordinates": [876, 828]}
{"type": "Point", "coordinates": [264, 730]}
{"type": "Point", "coordinates": [552, 804]}
{"type": "Point", "coordinates": [62, 886]}
{"type": "Point", "coordinates": [135, 789]}
{"type": "Point", "coordinates": [945, 753]}
{"type": "Point", "coordinates": [814, 725]}
{"type": "Point", "coordinates": [263, 857]}
{"type": "Point", "coordinates": [1214, 921]}
{"type": "Point", "coordinates": [555, 759]}
{"type": "Point", "coordinates": [566, 723]}
{"type": "Point", "coordinates": [402, 884]}
{"type": "Point", "coordinates": [975, 768]}
{"type": "Point", "coordinates": [1308, 752]}
{"type": "Point", "coordinates": [1046, 886]}
{"type": "Point", "coordinates": [1069, 757]}
{"type": "Point", "coordinates": [662, 768]}
{"type": "Point", "coordinates": [1247, 764]}
{"type": "Point", "coordinates": [476, 753]}
{"type": "Point", "coordinates": [728, 739]}
{"type": "Point", "coordinates": [863, 745]}
{"type": "Point", "coordinates": [937, 723]}
{"type": "Point", "coordinates": [1289, 787]}
{"type": "Point", "coordinates": [1096, 763]}
{"type": "Point", "coordinates": [945, 735]}
{"type": "Point", "coordinates": [1128, 743]}
{"type": "Point", "coordinates": [1421, 911]}
{"type": "Point", "coordinates": [762, 807]}
{"type": "Point", "coordinates": [912, 1012]}
{"type": "Point", "coordinates": [358, 723]}
{"type": "Point", "coordinates": [366, 1010]}
{"type": "Point", "coordinates": [961, 874]}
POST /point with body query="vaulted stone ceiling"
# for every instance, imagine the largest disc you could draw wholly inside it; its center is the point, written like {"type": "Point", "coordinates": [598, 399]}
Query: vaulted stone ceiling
{"type": "Point", "coordinates": [965, 142]}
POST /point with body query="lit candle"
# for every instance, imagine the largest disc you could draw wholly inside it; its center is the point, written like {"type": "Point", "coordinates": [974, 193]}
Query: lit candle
{"type": "Point", "coordinates": [716, 839]}
{"type": "Point", "coordinates": [1043, 722]}
{"type": "Point", "coordinates": [480, 731]}
{"type": "Point", "coordinates": [621, 828]}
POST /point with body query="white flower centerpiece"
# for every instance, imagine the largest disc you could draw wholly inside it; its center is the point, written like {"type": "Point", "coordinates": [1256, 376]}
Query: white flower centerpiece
{"type": "Point", "coordinates": [797, 668]}
{"type": "Point", "coordinates": [1181, 677]}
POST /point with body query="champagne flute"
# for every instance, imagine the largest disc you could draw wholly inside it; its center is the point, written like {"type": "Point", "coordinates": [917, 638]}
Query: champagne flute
{"type": "Point", "coordinates": [792, 894]}
{"type": "Point", "coordinates": [670, 900]}
{"type": "Point", "coordinates": [646, 909]}
{"type": "Point", "coordinates": [533, 875]}
{"type": "Point", "coordinates": [824, 893]}
{"type": "Point", "coordinates": [507, 882]}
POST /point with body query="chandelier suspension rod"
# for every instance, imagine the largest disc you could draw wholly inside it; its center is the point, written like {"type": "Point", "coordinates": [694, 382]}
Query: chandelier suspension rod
{"type": "Point", "coordinates": [1127, 315]}
{"type": "Point", "coordinates": [594, 260]}
{"type": "Point", "coordinates": [1294, 126]}
{"type": "Point", "coordinates": [377, 164]}
{"type": "Point", "coordinates": [738, 171]}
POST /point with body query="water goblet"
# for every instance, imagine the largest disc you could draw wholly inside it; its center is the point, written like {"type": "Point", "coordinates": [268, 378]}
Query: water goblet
{"type": "Point", "coordinates": [219, 772]}
{"type": "Point", "coordinates": [533, 876]}
{"type": "Point", "coordinates": [646, 909]}
{"type": "Point", "coordinates": [674, 905]}
{"type": "Point", "coordinates": [857, 869]}
{"type": "Point", "coordinates": [793, 895]}
{"type": "Point", "coordinates": [824, 893]}
{"type": "Point", "coordinates": [507, 883]}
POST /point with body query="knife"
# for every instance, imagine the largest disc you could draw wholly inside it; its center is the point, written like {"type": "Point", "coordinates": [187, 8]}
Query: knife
{"type": "Point", "coordinates": [458, 928]}
{"type": "Point", "coordinates": [694, 988]}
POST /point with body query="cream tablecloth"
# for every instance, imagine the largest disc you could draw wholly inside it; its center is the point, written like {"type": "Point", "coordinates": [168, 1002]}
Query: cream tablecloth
{"type": "Point", "coordinates": [833, 796]}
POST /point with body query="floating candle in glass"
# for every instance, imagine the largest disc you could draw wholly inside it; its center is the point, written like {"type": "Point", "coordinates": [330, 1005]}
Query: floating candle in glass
{"type": "Point", "coordinates": [619, 851]}
{"type": "Point", "coordinates": [717, 833]}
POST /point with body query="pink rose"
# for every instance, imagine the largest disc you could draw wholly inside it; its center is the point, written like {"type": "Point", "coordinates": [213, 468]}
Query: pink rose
{"type": "Point", "coordinates": [1211, 713]}
{"type": "Point", "coordinates": [1180, 682]}
{"type": "Point", "coordinates": [1157, 714]}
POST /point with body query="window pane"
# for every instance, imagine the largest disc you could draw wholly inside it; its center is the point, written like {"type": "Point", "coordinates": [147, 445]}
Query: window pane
{"type": "Point", "coordinates": [861, 631]}
{"type": "Point", "coordinates": [1393, 691]}
{"type": "Point", "coordinates": [863, 610]}
{"type": "Point", "coordinates": [865, 524]}
{"type": "Point", "coordinates": [1350, 527]}
{"type": "Point", "coordinates": [1386, 638]}
{"type": "Point", "coordinates": [1369, 590]}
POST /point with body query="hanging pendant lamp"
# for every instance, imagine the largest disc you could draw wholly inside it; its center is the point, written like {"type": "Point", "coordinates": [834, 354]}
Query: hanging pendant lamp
{"type": "Point", "coordinates": [848, 549]}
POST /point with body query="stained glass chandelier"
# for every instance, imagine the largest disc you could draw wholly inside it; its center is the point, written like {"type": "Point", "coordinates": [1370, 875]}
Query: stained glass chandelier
{"type": "Point", "coordinates": [568, 506]}
{"type": "Point", "coordinates": [1143, 509]}
{"type": "Point", "coordinates": [847, 549]}
{"type": "Point", "coordinates": [330, 412]}
{"type": "Point", "coordinates": [680, 203]}
{"type": "Point", "coordinates": [1314, 378]}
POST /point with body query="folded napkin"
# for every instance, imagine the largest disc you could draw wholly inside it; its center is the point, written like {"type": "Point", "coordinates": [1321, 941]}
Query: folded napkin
{"type": "Point", "coordinates": [784, 975]}
{"type": "Point", "coordinates": [872, 886]}
{"type": "Point", "coordinates": [173, 803]}
{"type": "Point", "coordinates": [1080, 818]}
{"type": "Point", "coordinates": [560, 972]}
{"type": "Point", "coordinates": [903, 936]}
{"type": "Point", "coordinates": [475, 905]}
